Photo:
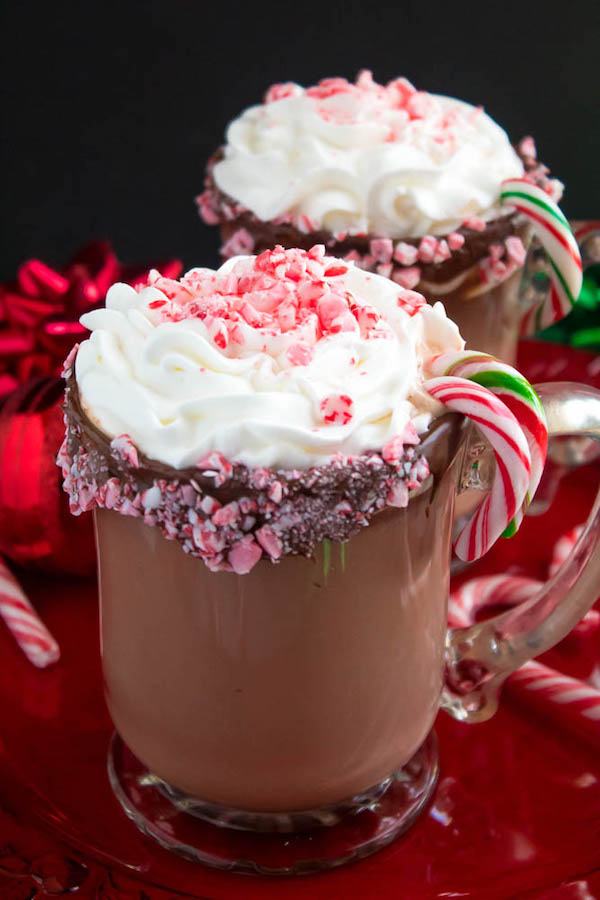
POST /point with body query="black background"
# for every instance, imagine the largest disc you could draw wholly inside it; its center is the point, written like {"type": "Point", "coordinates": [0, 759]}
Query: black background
{"type": "Point", "coordinates": [110, 109]}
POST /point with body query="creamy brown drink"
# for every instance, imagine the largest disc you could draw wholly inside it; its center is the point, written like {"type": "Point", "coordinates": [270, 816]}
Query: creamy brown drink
{"type": "Point", "coordinates": [258, 418]}
{"type": "Point", "coordinates": [272, 452]}
{"type": "Point", "coordinates": [245, 690]}
{"type": "Point", "coordinates": [404, 183]}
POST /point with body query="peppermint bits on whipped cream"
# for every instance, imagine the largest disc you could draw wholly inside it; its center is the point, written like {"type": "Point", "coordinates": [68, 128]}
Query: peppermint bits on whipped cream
{"type": "Point", "coordinates": [337, 409]}
{"type": "Point", "coordinates": [296, 293]}
{"type": "Point", "coordinates": [352, 158]}
{"type": "Point", "coordinates": [252, 412]}
{"type": "Point", "coordinates": [280, 360]}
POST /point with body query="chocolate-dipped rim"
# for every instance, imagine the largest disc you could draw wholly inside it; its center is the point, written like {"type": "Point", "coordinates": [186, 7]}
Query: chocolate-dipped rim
{"type": "Point", "coordinates": [232, 216]}
{"type": "Point", "coordinates": [232, 515]}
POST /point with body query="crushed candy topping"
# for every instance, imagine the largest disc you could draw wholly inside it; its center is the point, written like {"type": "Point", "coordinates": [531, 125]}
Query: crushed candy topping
{"type": "Point", "coordinates": [286, 291]}
{"type": "Point", "coordinates": [271, 513]}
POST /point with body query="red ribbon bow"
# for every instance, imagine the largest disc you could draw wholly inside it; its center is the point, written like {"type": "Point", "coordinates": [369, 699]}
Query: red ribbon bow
{"type": "Point", "coordinates": [40, 311]}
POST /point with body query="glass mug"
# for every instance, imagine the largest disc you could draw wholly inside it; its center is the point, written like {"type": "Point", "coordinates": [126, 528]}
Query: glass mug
{"type": "Point", "coordinates": [281, 721]}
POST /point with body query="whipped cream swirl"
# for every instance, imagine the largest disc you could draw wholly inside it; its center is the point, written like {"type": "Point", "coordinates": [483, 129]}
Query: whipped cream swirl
{"type": "Point", "coordinates": [281, 361]}
{"type": "Point", "coordinates": [352, 158]}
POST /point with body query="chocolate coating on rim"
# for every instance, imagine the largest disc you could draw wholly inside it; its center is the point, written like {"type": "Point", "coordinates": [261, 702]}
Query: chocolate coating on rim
{"type": "Point", "coordinates": [233, 216]}
{"type": "Point", "coordinates": [475, 248]}
{"type": "Point", "coordinates": [267, 512]}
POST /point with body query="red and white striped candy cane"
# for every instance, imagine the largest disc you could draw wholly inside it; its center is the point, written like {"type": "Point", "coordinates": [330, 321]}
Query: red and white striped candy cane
{"type": "Point", "coordinates": [554, 233]}
{"type": "Point", "coordinates": [519, 396]}
{"type": "Point", "coordinates": [564, 700]}
{"type": "Point", "coordinates": [488, 591]}
{"type": "Point", "coordinates": [513, 461]}
{"type": "Point", "coordinates": [477, 594]}
{"type": "Point", "coordinates": [23, 622]}
{"type": "Point", "coordinates": [590, 624]}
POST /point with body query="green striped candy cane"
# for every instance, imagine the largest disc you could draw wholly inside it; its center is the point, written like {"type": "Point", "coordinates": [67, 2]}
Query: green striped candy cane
{"type": "Point", "coordinates": [554, 233]}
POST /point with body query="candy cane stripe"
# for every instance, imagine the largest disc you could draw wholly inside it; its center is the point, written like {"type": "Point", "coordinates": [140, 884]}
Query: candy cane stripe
{"type": "Point", "coordinates": [499, 374]}
{"type": "Point", "coordinates": [26, 631]}
{"type": "Point", "coordinates": [570, 702]}
{"type": "Point", "coordinates": [545, 681]}
{"type": "Point", "coordinates": [564, 238]}
{"type": "Point", "coordinates": [502, 377]}
{"type": "Point", "coordinates": [572, 696]}
{"type": "Point", "coordinates": [557, 302]}
{"type": "Point", "coordinates": [565, 262]}
{"type": "Point", "coordinates": [511, 451]}
{"type": "Point", "coordinates": [514, 188]}
{"type": "Point", "coordinates": [479, 420]}
{"type": "Point", "coordinates": [553, 231]}
{"type": "Point", "coordinates": [20, 618]}
{"type": "Point", "coordinates": [515, 393]}
{"type": "Point", "coordinates": [559, 283]}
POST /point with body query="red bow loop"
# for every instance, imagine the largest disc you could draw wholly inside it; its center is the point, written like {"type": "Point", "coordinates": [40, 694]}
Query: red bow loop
{"type": "Point", "coordinates": [40, 310]}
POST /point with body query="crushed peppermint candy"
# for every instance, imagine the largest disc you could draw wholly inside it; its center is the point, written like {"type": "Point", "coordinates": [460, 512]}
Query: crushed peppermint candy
{"type": "Point", "coordinates": [297, 293]}
{"type": "Point", "coordinates": [127, 449]}
{"type": "Point", "coordinates": [455, 240]}
{"type": "Point", "coordinates": [427, 248]}
{"type": "Point", "coordinates": [406, 261]}
{"type": "Point", "coordinates": [405, 254]}
{"type": "Point", "coordinates": [474, 223]}
{"type": "Point", "coordinates": [337, 409]}
{"type": "Point", "coordinates": [241, 243]}
{"type": "Point", "coordinates": [502, 260]}
{"type": "Point", "coordinates": [227, 514]}
{"type": "Point", "coordinates": [407, 278]}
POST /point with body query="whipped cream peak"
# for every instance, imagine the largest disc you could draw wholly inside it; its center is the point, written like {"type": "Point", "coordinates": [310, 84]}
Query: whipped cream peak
{"type": "Point", "coordinates": [279, 360]}
{"type": "Point", "coordinates": [362, 157]}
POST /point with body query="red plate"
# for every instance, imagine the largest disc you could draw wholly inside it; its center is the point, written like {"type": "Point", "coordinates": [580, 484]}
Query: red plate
{"type": "Point", "coordinates": [516, 812]}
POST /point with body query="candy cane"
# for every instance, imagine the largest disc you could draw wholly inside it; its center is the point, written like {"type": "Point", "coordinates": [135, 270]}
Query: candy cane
{"type": "Point", "coordinates": [553, 231]}
{"type": "Point", "coordinates": [518, 395]}
{"type": "Point", "coordinates": [23, 622]}
{"type": "Point", "coordinates": [590, 624]}
{"type": "Point", "coordinates": [513, 461]}
{"type": "Point", "coordinates": [566, 700]}
{"type": "Point", "coordinates": [478, 594]}
{"type": "Point", "coordinates": [482, 593]}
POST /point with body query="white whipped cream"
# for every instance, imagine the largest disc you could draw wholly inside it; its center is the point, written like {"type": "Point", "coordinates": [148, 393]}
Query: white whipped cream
{"type": "Point", "coordinates": [356, 158]}
{"type": "Point", "coordinates": [180, 394]}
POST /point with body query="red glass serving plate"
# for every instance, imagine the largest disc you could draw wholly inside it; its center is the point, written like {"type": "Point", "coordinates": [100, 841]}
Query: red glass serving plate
{"type": "Point", "coordinates": [516, 813]}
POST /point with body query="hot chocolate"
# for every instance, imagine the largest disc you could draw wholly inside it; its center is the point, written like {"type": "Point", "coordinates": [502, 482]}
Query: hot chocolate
{"type": "Point", "coordinates": [216, 652]}
{"type": "Point", "coordinates": [272, 451]}
{"type": "Point", "coordinates": [291, 687]}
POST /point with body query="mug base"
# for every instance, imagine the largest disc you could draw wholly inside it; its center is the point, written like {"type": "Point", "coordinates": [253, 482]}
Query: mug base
{"type": "Point", "coordinates": [273, 843]}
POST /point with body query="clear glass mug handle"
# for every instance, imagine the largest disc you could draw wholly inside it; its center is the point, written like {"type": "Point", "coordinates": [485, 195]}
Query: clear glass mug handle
{"type": "Point", "coordinates": [479, 658]}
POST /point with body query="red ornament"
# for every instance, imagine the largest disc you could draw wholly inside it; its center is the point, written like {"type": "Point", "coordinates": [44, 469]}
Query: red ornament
{"type": "Point", "coordinates": [40, 310]}
{"type": "Point", "coordinates": [36, 527]}
{"type": "Point", "coordinates": [39, 323]}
